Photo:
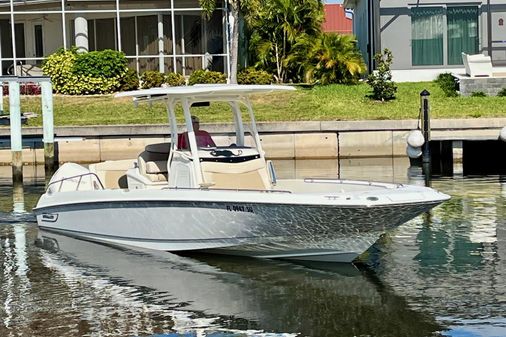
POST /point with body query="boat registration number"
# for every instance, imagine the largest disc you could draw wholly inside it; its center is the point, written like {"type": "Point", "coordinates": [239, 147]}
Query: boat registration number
{"type": "Point", "coordinates": [239, 208]}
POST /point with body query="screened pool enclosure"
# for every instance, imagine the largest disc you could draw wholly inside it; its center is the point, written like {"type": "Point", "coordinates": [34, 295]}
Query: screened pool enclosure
{"type": "Point", "coordinates": [168, 36]}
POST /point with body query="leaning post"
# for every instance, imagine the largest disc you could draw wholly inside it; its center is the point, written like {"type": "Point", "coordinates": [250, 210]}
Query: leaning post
{"type": "Point", "coordinates": [16, 138]}
{"type": "Point", "coordinates": [424, 102]}
{"type": "Point", "coordinates": [47, 124]}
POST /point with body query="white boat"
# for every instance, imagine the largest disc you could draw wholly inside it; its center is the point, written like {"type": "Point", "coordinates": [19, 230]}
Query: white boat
{"type": "Point", "coordinates": [223, 199]}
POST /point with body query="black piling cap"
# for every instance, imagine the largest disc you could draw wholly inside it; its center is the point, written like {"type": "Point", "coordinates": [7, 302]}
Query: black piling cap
{"type": "Point", "coordinates": [425, 93]}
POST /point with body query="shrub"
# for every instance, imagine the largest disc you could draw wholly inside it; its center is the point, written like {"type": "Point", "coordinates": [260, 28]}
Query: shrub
{"type": "Point", "coordinates": [253, 76]}
{"type": "Point", "coordinates": [152, 79]}
{"type": "Point", "coordinates": [478, 94]}
{"type": "Point", "coordinates": [59, 66]}
{"type": "Point", "coordinates": [175, 79]}
{"type": "Point", "coordinates": [206, 77]}
{"type": "Point", "coordinates": [383, 88]}
{"type": "Point", "coordinates": [502, 92]}
{"type": "Point", "coordinates": [68, 74]}
{"type": "Point", "coordinates": [130, 81]}
{"type": "Point", "coordinates": [105, 63]}
{"type": "Point", "coordinates": [448, 84]}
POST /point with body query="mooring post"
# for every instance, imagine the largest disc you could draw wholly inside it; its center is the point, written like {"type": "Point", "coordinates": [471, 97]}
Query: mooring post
{"type": "Point", "coordinates": [15, 121]}
{"type": "Point", "coordinates": [47, 125]}
{"type": "Point", "coordinates": [424, 101]}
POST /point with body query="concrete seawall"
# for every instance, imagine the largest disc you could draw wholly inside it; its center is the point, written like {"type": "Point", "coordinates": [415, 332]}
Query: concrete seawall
{"type": "Point", "coordinates": [281, 140]}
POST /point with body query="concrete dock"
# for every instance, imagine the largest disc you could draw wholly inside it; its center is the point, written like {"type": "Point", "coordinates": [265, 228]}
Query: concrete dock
{"type": "Point", "coordinates": [281, 140]}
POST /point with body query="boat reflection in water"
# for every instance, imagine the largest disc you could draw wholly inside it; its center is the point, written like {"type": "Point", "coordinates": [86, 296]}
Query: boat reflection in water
{"type": "Point", "coordinates": [141, 292]}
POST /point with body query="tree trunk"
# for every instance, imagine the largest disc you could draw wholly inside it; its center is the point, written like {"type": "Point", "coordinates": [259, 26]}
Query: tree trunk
{"type": "Point", "coordinates": [234, 48]}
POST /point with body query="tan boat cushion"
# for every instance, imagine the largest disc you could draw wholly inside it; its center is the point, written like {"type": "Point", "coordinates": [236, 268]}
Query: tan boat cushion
{"type": "Point", "coordinates": [159, 166]}
{"type": "Point", "coordinates": [246, 175]}
{"type": "Point", "coordinates": [156, 177]}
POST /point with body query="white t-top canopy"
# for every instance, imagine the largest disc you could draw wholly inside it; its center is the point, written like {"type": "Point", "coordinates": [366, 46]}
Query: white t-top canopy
{"type": "Point", "coordinates": [204, 91]}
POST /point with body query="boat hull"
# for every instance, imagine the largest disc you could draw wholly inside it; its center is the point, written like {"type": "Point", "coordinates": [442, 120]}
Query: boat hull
{"type": "Point", "coordinates": [337, 233]}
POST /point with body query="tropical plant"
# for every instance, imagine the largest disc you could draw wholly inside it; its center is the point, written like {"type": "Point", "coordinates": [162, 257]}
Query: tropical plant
{"type": "Point", "coordinates": [328, 58]}
{"type": "Point", "coordinates": [383, 88]}
{"type": "Point", "coordinates": [276, 26]}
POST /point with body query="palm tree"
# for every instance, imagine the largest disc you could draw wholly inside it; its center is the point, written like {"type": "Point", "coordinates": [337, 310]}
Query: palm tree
{"type": "Point", "coordinates": [328, 58]}
{"type": "Point", "coordinates": [276, 26]}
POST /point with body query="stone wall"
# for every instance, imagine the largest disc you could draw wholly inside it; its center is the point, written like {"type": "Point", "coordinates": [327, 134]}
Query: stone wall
{"type": "Point", "coordinates": [489, 85]}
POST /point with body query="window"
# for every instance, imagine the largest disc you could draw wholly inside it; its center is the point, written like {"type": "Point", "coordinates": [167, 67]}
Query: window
{"type": "Point", "coordinates": [427, 36]}
{"type": "Point", "coordinates": [462, 23]}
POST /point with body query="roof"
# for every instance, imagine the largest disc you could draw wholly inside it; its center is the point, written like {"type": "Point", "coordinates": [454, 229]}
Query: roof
{"type": "Point", "coordinates": [336, 19]}
{"type": "Point", "coordinates": [204, 92]}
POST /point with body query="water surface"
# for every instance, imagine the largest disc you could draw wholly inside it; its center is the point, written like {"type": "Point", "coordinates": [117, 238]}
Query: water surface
{"type": "Point", "coordinates": [441, 274]}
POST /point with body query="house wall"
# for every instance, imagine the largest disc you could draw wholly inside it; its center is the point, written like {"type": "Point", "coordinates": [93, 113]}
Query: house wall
{"type": "Point", "coordinates": [395, 29]}
{"type": "Point", "coordinates": [498, 32]}
{"type": "Point", "coordinates": [360, 27]}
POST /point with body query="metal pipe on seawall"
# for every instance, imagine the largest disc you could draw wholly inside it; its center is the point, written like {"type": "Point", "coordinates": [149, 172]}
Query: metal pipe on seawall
{"type": "Point", "coordinates": [48, 125]}
{"type": "Point", "coordinates": [15, 125]}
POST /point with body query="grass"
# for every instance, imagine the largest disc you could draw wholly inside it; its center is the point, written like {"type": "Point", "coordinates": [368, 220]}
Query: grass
{"type": "Point", "coordinates": [333, 102]}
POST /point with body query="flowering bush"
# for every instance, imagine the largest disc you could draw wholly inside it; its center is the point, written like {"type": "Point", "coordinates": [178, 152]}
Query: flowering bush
{"type": "Point", "coordinates": [28, 88]}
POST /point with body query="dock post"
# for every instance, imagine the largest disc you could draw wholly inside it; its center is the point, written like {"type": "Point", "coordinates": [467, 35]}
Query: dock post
{"type": "Point", "coordinates": [15, 121]}
{"type": "Point", "coordinates": [424, 100]}
{"type": "Point", "coordinates": [47, 125]}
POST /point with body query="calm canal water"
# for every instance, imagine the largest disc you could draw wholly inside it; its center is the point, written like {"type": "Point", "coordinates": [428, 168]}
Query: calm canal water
{"type": "Point", "coordinates": [441, 274]}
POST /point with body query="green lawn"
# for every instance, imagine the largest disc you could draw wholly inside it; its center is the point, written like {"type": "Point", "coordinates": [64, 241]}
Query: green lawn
{"type": "Point", "coordinates": [333, 102]}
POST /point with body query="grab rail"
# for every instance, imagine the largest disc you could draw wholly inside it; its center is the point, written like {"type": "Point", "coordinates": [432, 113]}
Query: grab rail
{"type": "Point", "coordinates": [80, 176]}
{"type": "Point", "coordinates": [226, 189]}
{"type": "Point", "coordinates": [353, 182]}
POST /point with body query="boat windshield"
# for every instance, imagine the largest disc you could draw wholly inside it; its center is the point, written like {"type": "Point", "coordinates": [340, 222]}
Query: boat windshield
{"type": "Point", "coordinates": [241, 136]}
